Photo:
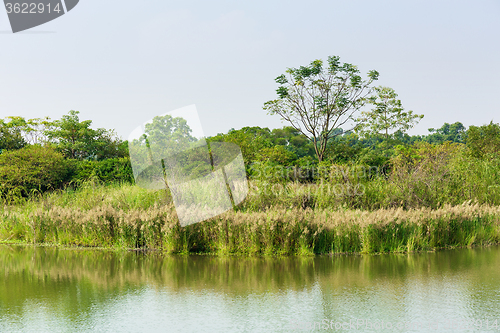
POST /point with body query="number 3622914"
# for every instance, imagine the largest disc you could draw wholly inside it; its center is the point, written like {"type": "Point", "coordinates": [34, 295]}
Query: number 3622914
{"type": "Point", "coordinates": [32, 8]}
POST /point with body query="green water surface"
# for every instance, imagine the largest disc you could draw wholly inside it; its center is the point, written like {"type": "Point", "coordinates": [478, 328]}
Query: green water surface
{"type": "Point", "coordinates": [46, 289]}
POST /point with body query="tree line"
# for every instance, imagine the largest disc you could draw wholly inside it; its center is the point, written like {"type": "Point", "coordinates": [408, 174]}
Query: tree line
{"type": "Point", "coordinates": [54, 153]}
{"type": "Point", "coordinates": [334, 117]}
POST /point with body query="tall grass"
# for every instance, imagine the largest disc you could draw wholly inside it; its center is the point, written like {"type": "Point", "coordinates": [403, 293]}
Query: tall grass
{"type": "Point", "coordinates": [128, 217]}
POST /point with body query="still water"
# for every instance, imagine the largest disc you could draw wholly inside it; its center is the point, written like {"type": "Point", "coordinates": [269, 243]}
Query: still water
{"type": "Point", "coordinates": [44, 289]}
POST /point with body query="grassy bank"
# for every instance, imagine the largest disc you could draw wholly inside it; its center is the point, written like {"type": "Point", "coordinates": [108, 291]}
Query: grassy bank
{"type": "Point", "coordinates": [129, 217]}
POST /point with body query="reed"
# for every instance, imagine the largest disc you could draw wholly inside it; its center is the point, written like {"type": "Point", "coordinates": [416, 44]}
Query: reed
{"type": "Point", "coordinates": [126, 217]}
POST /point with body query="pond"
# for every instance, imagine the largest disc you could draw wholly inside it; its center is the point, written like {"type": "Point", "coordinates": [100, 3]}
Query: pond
{"type": "Point", "coordinates": [47, 289]}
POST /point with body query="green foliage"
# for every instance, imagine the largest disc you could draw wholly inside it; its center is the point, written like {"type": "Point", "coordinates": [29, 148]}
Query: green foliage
{"type": "Point", "coordinates": [293, 140]}
{"type": "Point", "coordinates": [76, 140]}
{"type": "Point", "coordinates": [10, 136]}
{"type": "Point", "coordinates": [317, 101]}
{"type": "Point", "coordinates": [282, 164]}
{"type": "Point", "coordinates": [33, 169]}
{"type": "Point", "coordinates": [164, 140]}
{"type": "Point", "coordinates": [345, 148]}
{"type": "Point", "coordinates": [387, 114]}
{"type": "Point", "coordinates": [475, 179]}
{"type": "Point", "coordinates": [105, 171]}
{"type": "Point", "coordinates": [276, 155]}
{"type": "Point", "coordinates": [167, 131]}
{"type": "Point", "coordinates": [484, 141]}
{"type": "Point", "coordinates": [32, 130]}
{"type": "Point", "coordinates": [251, 141]}
{"type": "Point", "coordinates": [375, 157]}
{"type": "Point", "coordinates": [269, 173]}
{"type": "Point", "coordinates": [167, 146]}
{"type": "Point", "coordinates": [423, 174]}
{"type": "Point", "coordinates": [455, 132]}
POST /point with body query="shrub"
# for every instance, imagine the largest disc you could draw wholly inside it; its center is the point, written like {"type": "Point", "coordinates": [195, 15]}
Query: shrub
{"type": "Point", "coordinates": [106, 171]}
{"type": "Point", "coordinates": [31, 169]}
{"type": "Point", "coordinates": [424, 174]}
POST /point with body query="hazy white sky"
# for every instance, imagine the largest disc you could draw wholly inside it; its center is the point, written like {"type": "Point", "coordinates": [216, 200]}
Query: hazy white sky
{"type": "Point", "coordinates": [121, 63]}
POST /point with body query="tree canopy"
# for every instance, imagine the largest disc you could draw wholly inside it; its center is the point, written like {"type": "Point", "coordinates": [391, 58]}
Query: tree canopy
{"type": "Point", "coordinates": [484, 141]}
{"type": "Point", "coordinates": [455, 132]}
{"type": "Point", "coordinates": [10, 135]}
{"type": "Point", "coordinates": [316, 100]}
{"type": "Point", "coordinates": [77, 140]}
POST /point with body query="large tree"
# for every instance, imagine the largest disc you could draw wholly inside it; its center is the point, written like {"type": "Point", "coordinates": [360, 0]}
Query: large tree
{"type": "Point", "coordinates": [317, 100]}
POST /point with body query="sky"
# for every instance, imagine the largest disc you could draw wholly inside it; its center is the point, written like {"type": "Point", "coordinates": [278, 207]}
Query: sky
{"type": "Point", "coordinates": [120, 63]}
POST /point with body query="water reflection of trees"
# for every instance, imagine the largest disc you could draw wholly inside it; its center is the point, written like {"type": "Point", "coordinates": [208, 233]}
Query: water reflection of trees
{"type": "Point", "coordinates": [69, 282]}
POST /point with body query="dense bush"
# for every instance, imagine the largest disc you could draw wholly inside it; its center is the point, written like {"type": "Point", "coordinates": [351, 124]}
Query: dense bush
{"type": "Point", "coordinates": [33, 169]}
{"type": "Point", "coordinates": [427, 175]}
{"type": "Point", "coordinates": [420, 175]}
{"type": "Point", "coordinates": [110, 170]}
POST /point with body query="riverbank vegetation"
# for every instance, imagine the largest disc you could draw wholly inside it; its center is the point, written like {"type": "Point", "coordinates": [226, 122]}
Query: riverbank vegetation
{"type": "Point", "coordinates": [127, 217]}
{"type": "Point", "coordinates": [370, 189]}
{"type": "Point", "coordinates": [413, 202]}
